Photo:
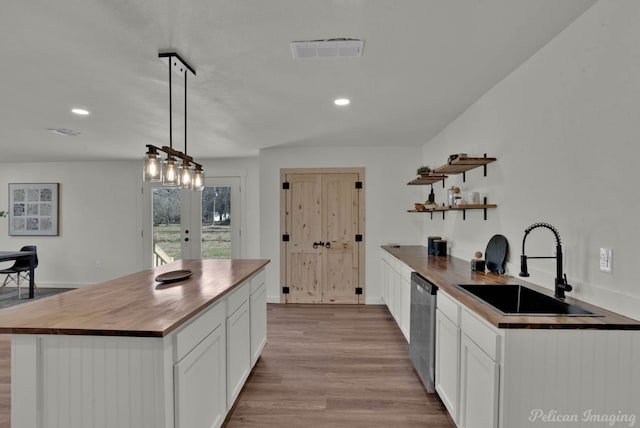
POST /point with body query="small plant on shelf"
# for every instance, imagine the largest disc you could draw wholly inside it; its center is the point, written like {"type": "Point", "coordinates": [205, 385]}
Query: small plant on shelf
{"type": "Point", "coordinates": [3, 214]}
{"type": "Point", "coordinates": [424, 170]}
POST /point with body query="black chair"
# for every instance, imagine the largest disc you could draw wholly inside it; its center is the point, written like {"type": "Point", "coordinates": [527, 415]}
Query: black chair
{"type": "Point", "coordinates": [20, 269]}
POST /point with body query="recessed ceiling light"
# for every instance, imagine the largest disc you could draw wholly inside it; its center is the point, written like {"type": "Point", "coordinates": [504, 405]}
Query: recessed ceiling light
{"type": "Point", "coordinates": [342, 101]}
{"type": "Point", "coordinates": [80, 111]}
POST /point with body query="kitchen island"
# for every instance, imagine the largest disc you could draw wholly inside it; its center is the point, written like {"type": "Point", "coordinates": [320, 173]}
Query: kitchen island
{"type": "Point", "coordinates": [134, 352]}
{"type": "Point", "coordinates": [500, 371]}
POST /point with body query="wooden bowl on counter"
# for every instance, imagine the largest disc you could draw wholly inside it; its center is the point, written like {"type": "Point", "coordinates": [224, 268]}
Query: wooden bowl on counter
{"type": "Point", "coordinates": [420, 207]}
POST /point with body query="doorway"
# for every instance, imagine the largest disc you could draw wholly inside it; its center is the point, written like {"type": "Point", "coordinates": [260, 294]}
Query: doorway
{"type": "Point", "coordinates": [322, 225]}
{"type": "Point", "coordinates": [183, 224]}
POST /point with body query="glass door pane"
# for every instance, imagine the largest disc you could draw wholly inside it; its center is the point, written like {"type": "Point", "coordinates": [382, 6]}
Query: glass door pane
{"type": "Point", "coordinates": [216, 222]}
{"type": "Point", "coordinates": [166, 210]}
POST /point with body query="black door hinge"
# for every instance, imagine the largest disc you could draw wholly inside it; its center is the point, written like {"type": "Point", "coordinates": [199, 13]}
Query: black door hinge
{"type": "Point", "coordinates": [358, 238]}
{"type": "Point", "coordinates": [285, 290]}
{"type": "Point", "coordinates": [285, 185]}
{"type": "Point", "coordinates": [285, 238]}
{"type": "Point", "coordinates": [358, 290]}
{"type": "Point", "coordinates": [358, 184]}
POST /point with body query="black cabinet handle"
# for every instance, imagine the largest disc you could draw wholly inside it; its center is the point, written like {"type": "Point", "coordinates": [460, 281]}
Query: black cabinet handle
{"type": "Point", "coordinates": [328, 245]}
{"type": "Point", "coordinates": [186, 239]}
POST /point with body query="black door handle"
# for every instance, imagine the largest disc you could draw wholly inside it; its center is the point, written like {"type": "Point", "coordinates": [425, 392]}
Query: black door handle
{"type": "Point", "coordinates": [328, 245]}
{"type": "Point", "coordinates": [318, 244]}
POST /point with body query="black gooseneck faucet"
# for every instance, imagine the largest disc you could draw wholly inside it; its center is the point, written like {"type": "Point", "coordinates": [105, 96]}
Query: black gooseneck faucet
{"type": "Point", "coordinates": [561, 284]}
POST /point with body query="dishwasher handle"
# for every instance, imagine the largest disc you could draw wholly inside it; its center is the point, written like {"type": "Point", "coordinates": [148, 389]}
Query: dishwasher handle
{"type": "Point", "coordinates": [423, 283]}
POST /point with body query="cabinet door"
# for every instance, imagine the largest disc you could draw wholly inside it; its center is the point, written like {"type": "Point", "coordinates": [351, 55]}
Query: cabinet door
{"type": "Point", "coordinates": [447, 363]}
{"type": "Point", "coordinates": [200, 384]}
{"type": "Point", "coordinates": [479, 383]}
{"type": "Point", "coordinates": [397, 295]}
{"type": "Point", "coordinates": [405, 305]}
{"type": "Point", "coordinates": [258, 308]}
{"type": "Point", "coordinates": [384, 275]}
{"type": "Point", "coordinates": [238, 351]}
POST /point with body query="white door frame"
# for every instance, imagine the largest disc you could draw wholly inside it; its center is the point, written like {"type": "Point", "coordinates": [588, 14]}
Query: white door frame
{"type": "Point", "coordinates": [192, 214]}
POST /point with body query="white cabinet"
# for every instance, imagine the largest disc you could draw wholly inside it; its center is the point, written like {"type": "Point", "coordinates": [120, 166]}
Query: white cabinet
{"type": "Point", "coordinates": [405, 305]}
{"type": "Point", "coordinates": [447, 362]}
{"type": "Point", "coordinates": [238, 342]}
{"type": "Point", "coordinates": [479, 377]}
{"type": "Point", "coordinates": [396, 290]}
{"type": "Point", "coordinates": [258, 307]}
{"type": "Point", "coordinates": [200, 383]}
{"type": "Point", "coordinates": [258, 315]}
{"type": "Point", "coordinates": [467, 371]}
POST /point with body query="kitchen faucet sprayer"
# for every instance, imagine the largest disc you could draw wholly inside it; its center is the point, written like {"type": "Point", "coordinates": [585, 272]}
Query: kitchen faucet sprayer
{"type": "Point", "coordinates": [561, 279]}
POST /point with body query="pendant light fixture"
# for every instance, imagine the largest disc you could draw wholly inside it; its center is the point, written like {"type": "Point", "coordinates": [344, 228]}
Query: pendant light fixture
{"type": "Point", "coordinates": [177, 169]}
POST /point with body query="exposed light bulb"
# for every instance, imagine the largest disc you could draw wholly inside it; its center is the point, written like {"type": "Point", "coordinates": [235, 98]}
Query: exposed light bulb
{"type": "Point", "coordinates": [342, 101]}
{"type": "Point", "coordinates": [80, 111]}
{"type": "Point", "coordinates": [153, 167]}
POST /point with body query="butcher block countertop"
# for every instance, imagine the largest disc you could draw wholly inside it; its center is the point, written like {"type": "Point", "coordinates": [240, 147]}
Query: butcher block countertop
{"type": "Point", "coordinates": [133, 305]}
{"type": "Point", "coordinates": [446, 272]}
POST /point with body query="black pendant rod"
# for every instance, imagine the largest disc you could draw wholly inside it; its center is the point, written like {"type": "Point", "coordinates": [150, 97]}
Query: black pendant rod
{"type": "Point", "coordinates": [185, 111]}
{"type": "Point", "coordinates": [170, 110]}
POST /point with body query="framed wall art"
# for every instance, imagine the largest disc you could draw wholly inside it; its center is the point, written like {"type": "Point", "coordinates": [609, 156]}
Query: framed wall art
{"type": "Point", "coordinates": [33, 209]}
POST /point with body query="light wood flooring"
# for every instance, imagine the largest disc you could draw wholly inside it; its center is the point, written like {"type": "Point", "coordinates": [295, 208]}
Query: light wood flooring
{"type": "Point", "coordinates": [335, 366]}
{"type": "Point", "coordinates": [323, 366]}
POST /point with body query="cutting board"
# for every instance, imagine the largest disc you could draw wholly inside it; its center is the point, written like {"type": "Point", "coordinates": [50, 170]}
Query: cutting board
{"type": "Point", "coordinates": [496, 254]}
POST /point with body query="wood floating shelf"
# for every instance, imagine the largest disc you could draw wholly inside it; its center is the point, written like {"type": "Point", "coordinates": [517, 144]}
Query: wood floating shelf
{"type": "Point", "coordinates": [462, 165]}
{"type": "Point", "coordinates": [462, 208]}
{"type": "Point", "coordinates": [428, 179]}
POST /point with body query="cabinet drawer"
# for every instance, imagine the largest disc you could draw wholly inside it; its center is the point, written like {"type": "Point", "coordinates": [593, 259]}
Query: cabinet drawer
{"type": "Point", "coordinates": [238, 297]}
{"type": "Point", "coordinates": [481, 334]}
{"type": "Point", "coordinates": [194, 332]}
{"type": "Point", "coordinates": [257, 280]}
{"type": "Point", "coordinates": [448, 306]}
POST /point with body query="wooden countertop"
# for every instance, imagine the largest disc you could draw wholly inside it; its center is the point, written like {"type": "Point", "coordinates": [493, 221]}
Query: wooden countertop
{"type": "Point", "coordinates": [446, 272]}
{"type": "Point", "coordinates": [133, 305]}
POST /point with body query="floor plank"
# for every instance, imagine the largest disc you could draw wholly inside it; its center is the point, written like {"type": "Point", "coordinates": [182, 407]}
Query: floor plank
{"type": "Point", "coordinates": [323, 366]}
{"type": "Point", "coordinates": [337, 366]}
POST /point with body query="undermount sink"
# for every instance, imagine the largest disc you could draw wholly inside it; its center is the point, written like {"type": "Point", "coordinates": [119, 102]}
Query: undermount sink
{"type": "Point", "coordinates": [514, 299]}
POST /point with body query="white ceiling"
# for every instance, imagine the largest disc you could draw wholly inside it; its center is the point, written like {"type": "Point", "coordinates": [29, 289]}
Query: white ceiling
{"type": "Point", "coordinates": [424, 63]}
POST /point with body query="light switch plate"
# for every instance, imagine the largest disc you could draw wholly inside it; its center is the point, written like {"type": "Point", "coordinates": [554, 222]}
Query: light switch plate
{"type": "Point", "coordinates": [606, 259]}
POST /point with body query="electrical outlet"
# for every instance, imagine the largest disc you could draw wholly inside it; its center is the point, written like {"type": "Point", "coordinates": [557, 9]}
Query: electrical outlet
{"type": "Point", "coordinates": [606, 259]}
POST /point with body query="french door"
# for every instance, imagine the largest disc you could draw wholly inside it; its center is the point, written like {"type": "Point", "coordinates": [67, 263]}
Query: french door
{"type": "Point", "coordinates": [322, 222]}
{"type": "Point", "coordinates": [183, 224]}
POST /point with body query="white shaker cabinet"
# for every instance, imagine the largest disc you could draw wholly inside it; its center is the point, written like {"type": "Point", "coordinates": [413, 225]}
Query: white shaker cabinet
{"type": "Point", "coordinates": [200, 383]}
{"type": "Point", "coordinates": [479, 377]}
{"type": "Point", "coordinates": [467, 375]}
{"type": "Point", "coordinates": [396, 290]}
{"type": "Point", "coordinates": [238, 341]}
{"type": "Point", "coordinates": [447, 363]}
{"type": "Point", "coordinates": [258, 312]}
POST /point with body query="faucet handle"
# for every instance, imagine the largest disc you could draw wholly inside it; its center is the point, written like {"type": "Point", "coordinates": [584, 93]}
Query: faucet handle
{"type": "Point", "coordinates": [524, 270]}
{"type": "Point", "coordinates": [565, 284]}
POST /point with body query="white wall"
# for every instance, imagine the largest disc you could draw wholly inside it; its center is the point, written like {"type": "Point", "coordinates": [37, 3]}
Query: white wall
{"type": "Point", "coordinates": [564, 127]}
{"type": "Point", "coordinates": [99, 233]}
{"type": "Point", "coordinates": [101, 217]}
{"type": "Point", "coordinates": [387, 198]}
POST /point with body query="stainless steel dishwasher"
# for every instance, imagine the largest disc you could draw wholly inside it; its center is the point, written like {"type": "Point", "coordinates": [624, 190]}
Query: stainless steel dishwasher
{"type": "Point", "coordinates": [422, 340]}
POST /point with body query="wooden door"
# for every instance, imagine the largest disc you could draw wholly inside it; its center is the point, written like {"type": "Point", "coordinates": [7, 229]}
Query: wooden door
{"type": "Point", "coordinates": [322, 240]}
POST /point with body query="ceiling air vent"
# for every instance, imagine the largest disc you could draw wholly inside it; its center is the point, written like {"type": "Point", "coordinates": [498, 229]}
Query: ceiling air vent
{"type": "Point", "coordinates": [64, 131]}
{"type": "Point", "coordinates": [329, 48]}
